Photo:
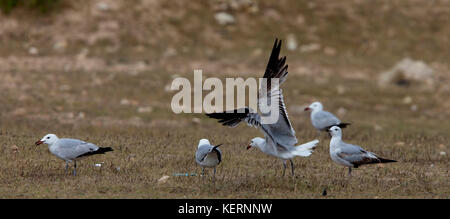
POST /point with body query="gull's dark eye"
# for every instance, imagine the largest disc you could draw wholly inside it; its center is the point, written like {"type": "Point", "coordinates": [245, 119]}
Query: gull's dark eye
{"type": "Point", "coordinates": [48, 137]}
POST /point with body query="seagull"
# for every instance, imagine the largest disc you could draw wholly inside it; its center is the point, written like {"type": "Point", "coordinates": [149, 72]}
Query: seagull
{"type": "Point", "coordinates": [208, 155]}
{"type": "Point", "coordinates": [323, 120]}
{"type": "Point", "coordinates": [350, 155]}
{"type": "Point", "coordinates": [71, 150]}
{"type": "Point", "coordinates": [280, 139]}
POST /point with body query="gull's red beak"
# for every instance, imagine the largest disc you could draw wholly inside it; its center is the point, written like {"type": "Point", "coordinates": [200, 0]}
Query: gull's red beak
{"type": "Point", "coordinates": [249, 146]}
{"type": "Point", "coordinates": [307, 108]}
{"type": "Point", "coordinates": [38, 142]}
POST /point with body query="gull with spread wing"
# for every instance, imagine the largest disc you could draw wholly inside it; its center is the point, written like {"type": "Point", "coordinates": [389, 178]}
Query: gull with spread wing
{"type": "Point", "coordinates": [279, 136]}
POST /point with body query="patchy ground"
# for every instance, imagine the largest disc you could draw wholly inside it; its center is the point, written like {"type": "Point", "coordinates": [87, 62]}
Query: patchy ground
{"type": "Point", "coordinates": [99, 71]}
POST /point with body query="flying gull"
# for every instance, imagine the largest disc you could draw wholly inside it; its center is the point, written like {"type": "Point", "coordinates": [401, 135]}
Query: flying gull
{"type": "Point", "coordinates": [280, 139]}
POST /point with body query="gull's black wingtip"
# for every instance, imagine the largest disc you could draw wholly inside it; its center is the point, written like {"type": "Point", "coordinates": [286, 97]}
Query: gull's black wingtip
{"type": "Point", "coordinates": [382, 160]}
{"type": "Point", "coordinates": [340, 125]}
{"type": "Point", "coordinates": [100, 150]}
{"type": "Point", "coordinates": [343, 125]}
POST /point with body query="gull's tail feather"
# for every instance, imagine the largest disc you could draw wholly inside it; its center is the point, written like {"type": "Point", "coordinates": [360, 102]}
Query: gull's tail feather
{"type": "Point", "coordinates": [306, 149]}
{"type": "Point", "coordinates": [216, 146]}
{"type": "Point", "coordinates": [340, 125]}
{"type": "Point", "coordinates": [99, 151]}
{"type": "Point", "coordinates": [343, 125]}
{"type": "Point", "coordinates": [382, 160]}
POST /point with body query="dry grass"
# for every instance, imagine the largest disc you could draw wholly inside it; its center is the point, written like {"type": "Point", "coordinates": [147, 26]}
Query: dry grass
{"type": "Point", "coordinates": [96, 96]}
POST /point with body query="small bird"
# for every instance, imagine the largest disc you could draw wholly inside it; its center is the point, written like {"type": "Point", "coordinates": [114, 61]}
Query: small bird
{"type": "Point", "coordinates": [323, 120]}
{"type": "Point", "coordinates": [350, 155]}
{"type": "Point", "coordinates": [208, 155]}
{"type": "Point", "coordinates": [71, 150]}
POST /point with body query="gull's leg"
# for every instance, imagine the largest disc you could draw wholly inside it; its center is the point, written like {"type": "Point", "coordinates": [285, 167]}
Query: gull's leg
{"type": "Point", "coordinates": [67, 167]}
{"type": "Point", "coordinates": [74, 168]}
{"type": "Point", "coordinates": [292, 167]}
{"type": "Point", "coordinates": [214, 175]}
{"type": "Point", "coordinates": [318, 133]}
{"type": "Point", "coordinates": [284, 167]}
{"type": "Point", "coordinates": [349, 172]}
{"type": "Point", "coordinates": [203, 171]}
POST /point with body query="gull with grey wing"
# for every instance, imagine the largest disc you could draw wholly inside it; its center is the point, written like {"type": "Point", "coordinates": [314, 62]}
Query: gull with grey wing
{"type": "Point", "coordinates": [280, 140]}
{"type": "Point", "coordinates": [71, 150]}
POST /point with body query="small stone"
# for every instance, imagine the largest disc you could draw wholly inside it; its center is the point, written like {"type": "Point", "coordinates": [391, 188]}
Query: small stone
{"type": "Point", "coordinates": [20, 112]}
{"type": "Point", "coordinates": [170, 52]}
{"type": "Point", "coordinates": [407, 100]}
{"type": "Point", "coordinates": [33, 51]}
{"type": "Point", "coordinates": [300, 20]}
{"type": "Point", "coordinates": [310, 47]}
{"type": "Point", "coordinates": [442, 153]}
{"type": "Point", "coordinates": [400, 143]}
{"type": "Point", "coordinates": [145, 109]}
{"type": "Point", "coordinates": [414, 108]}
{"type": "Point", "coordinates": [291, 42]}
{"type": "Point", "coordinates": [429, 174]}
{"type": "Point", "coordinates": [163, 179]}
{"type": "Point", "coordinates": [124, 102]}
{"type": "Point", "coordinates": [168, 88]}
{"type": "Point", "coordinates": [340, 89]}
{"type": "Point", "coordinates": [377, 128]}
{"type": "Point", "coordinates": [341, 111]}
{"type": "Point", "coordinates": [103, 6]}
{"type": "Point", "coordinates": [224, 18]}
{"type": "Point", "coordinates": [257, 52]}
{"type": "Point", "coordinates": [329, 51]}
{"type": "Point", "coordinates": [60, 45]}
{"type": "Point", "coordinates": [196, 120]}
{"type": "Point", "coordinates": [65, 87]}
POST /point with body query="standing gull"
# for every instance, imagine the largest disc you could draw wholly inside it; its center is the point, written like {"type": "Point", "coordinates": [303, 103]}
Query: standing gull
{"type": "Point", "coordinates": [279, 136]}
{"type": "Point", "coordinates": [208, 155]}
{"type": "Point", "coordinates": [71, 150]}
{"type": "Point", "coordinates": [322, 120]}
{"type": "Point", "coordinates": [350, 155]}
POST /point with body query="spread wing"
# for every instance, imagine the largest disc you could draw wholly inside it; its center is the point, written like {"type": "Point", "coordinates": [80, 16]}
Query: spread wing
{"type": "Point", "coordinates": [280, 129]}
{"type": "Point", "coordinates": [234, 117]}
{"type": "Point", "coordinates": [276, 67]}
{"type": "Point", "coordinates": [271, 100]}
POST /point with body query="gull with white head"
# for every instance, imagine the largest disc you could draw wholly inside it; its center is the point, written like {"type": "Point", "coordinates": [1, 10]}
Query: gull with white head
{"type": "Point", "coordinates": [279, 136]}
{"type": "Point", "coordinates": [350, 155]}
{"type": "Point", "coordinates": [323, 120]}
{"type": "Point", "coordinates": [208, 155]}
{"type": "Point", "coordinates": [71, 150]}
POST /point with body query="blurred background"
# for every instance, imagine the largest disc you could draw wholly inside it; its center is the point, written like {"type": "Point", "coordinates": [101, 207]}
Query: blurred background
{"type": "Point", "coordinates": [58, 51]}
{"type": "Point", "coordinates": [94, 68]}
